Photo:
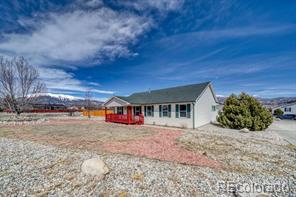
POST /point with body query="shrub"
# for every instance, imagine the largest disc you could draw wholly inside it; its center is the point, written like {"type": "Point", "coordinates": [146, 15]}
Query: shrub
{"type": "Point", "coordinates": [278, 112]}
{"type": "Point", "coordinates": [244, 111]}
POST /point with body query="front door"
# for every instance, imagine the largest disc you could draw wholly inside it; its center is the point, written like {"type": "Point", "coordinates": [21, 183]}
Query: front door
{"type": "Point", "coordinates": [137, 110]}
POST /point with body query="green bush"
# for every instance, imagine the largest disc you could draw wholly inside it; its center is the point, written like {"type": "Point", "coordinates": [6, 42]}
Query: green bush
{"type": "Point", "coordinates": [278, 112]}
{"type": "Point", "coordinates": [244, 111]}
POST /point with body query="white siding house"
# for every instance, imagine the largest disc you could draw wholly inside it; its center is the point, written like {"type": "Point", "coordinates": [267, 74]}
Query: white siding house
{"type": "Point", "coordinates": [188, 106]}
{"type": "Point", "coordinates": [287, 108]}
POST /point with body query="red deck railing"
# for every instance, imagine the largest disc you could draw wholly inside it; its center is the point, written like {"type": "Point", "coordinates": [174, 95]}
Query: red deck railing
{"type": "Point", "coordinates": [126, 118]}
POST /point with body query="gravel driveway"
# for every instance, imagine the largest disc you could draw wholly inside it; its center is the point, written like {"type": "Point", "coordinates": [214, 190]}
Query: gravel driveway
{"type": "Point", "coordinates": [286, 129]}
{"type": "Point", "coordinates": [31, 169]}
{"type": "Point", "coordinates": [45, 160]}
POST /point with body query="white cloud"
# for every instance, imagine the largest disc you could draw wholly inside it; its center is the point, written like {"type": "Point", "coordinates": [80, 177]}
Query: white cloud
{"type": "Point", "coordinates": [78, 36]}
{"type": "Point", "coordinates": [61, 81]}
{"type": "Point", "coordinates": [84, 33]}
{"type": "Point", "coordinates": [161, 5]}
{"type": "Point", "coordinates": [70, 97]}
{"type": "Point", "coordinates": [219, 68]}
{"type": "Point", "coordinates": [214, 35]}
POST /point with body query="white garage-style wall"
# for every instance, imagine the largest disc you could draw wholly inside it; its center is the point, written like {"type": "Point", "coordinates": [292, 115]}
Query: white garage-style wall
{"type": "Point", "coordinates": [204, 108]}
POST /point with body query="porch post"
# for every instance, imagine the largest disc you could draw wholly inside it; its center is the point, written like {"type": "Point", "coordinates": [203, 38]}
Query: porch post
{"type": "Point", "coordinates": [105, 114]}
{"type": "Point", "coordinates": [129, 114]}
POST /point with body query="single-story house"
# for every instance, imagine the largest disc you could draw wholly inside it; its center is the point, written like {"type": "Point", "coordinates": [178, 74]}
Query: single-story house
{"type": "Point", "coordinates": [188, 106]}
{"type": "Point", "coordinates": [289, 108]}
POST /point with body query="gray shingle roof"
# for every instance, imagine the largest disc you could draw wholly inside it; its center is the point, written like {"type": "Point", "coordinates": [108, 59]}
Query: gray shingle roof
{"type": "Point", "coordinates": [187, 93]}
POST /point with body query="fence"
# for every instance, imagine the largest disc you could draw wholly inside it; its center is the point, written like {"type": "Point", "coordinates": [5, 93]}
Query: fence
{"type": "Point", "coordinates": [100, 112]}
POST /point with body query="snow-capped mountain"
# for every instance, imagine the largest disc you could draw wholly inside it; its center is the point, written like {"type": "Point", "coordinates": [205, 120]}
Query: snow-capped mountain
{"type": "Point", "coordinates": [68, 100]}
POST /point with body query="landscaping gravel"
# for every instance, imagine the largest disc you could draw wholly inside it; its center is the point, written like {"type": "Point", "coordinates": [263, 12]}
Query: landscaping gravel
{"type": "Point", "coordinates": [29, 168]}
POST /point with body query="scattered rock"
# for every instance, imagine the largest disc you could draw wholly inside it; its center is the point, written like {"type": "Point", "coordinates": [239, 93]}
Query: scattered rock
{"type": "Point", "coordinates": [122, 194]}
{"type": "Point", "coordinates": [214, 122]}
{"type": "Point", "coordinates": [94, 166]}
{"type": "Point", "coordinates": [244, 130]}
{"type": "Point", "coordinates": [138, 177]}
{"type": "Point", "coordinates": [247, 194]}
{"type": "Point", "coordinates": [263, 195]}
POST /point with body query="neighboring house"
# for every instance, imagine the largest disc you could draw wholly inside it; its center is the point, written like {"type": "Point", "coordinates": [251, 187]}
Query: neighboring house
{"type": "Point", "coordinates": [289, 108]}
{"type": "Point", "coordinates": [49, 106]}
{"type": "Point", "coordinates": [187, 106]}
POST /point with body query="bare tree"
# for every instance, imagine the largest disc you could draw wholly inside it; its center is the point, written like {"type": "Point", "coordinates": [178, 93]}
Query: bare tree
{"type": "Point", "coordinates": [88, 103]}
{"type": "Point", "coordinates": [19, 83]}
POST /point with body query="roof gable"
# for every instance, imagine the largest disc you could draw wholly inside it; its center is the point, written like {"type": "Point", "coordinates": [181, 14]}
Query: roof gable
{"type": "Point", "coordinates": [115, 102]}
{"type": "Point", "coordinates": [187, 93]}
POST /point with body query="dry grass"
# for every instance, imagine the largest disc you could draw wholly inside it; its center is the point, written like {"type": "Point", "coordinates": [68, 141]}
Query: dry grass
{"type": "Point", "coordinates": [245, 155]}
{"type": "Point", "coordinates": [75, 133]}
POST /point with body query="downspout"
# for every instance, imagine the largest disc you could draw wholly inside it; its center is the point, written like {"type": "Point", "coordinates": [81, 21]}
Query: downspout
{"type": "Point", "coordinates": [193, 114]}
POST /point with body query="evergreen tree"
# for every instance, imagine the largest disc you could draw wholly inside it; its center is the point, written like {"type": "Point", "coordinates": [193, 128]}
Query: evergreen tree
{"type": "Point", "coordinates": [244, 111]}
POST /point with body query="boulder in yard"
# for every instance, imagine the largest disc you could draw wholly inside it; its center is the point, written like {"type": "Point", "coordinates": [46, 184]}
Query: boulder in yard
{"type": "Point", "coordinates": [95, 167]}
{"type": "Point", "coordinates": [244, 130]}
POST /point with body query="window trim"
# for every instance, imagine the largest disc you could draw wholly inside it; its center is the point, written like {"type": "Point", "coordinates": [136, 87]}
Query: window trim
{"type": "Point", "coordinates": [151, 110]}
{"type": "Point", "coordinates": [167, 111]}
{"type": "Point", "coordinates": [183, 111]}
{"type": "Point", "coordinates": [187, 111]}
{"type": "Point", "coordinates": [122, 110]}
{"type": "Point", "coordinates": [288, 109]}
{"type": "Point", "coordinates": [139, 111]}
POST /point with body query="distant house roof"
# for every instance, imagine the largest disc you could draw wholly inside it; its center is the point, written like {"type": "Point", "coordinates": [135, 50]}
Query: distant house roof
{"type": "Point", "coordinates": [285, 105]}
{"type": "Point", "coordinates": [187, 93]}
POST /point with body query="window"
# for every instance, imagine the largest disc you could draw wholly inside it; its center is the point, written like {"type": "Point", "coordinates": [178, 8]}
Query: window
{"type": "Point", "coordinates": [164, 110]}
{"type": "Point", "coordinates": [288, 109]}
{"type": "Point", "coordinates": [119, 110]}
{"type": "Point", "coordinates": [137, 110]}
{"type": "Point", "coordinates": [213, 108]}
{"type": "Point", "coordinates": [183, 110]}
{"type": "Point", "coordinates": [149, 110]}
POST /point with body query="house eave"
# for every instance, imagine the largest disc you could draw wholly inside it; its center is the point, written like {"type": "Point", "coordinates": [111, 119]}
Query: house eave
{"type": "Point", "coordinates": [105, 104]}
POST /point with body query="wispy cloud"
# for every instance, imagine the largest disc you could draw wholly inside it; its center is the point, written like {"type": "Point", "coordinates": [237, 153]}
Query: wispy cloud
{"type": "Point", "coordinates": [162, 5]}
{"type": "Point", "coordinates": [57, 80]}
{"type": "Point", "coordinates": [82, 33]}
{"type": "Point", "coordinates": [76, 37]}
{"type": "Point", "coordinates": [216, 34]}
{"type": "Point", "coordinates": [213, 69]}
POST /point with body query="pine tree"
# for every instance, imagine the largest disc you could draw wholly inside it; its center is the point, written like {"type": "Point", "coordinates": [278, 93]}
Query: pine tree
{"type": "Point", "coordinates": [244, 111]}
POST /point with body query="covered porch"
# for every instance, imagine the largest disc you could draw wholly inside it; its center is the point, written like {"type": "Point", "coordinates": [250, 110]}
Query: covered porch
{"type": "Point", "coordinates": [123, 112]}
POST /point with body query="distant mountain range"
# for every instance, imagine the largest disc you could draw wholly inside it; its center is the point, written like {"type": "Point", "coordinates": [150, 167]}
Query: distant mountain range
{"type": "Point", "coordinates": [63, 99]}
{"type": "Point", "coordinates": [78, 101]}
{"type": "Point", "coordinates": [268, 102]}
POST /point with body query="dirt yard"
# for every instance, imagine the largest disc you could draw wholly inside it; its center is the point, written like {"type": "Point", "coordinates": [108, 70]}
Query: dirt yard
{"type": "Point", "coordinates": [143, 160]}
{"type": "Point", "coordinates": [74, 133]}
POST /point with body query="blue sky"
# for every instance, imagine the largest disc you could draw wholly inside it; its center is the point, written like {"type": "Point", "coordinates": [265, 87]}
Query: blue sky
{"type": "Point", "coordinates": [120, 47]}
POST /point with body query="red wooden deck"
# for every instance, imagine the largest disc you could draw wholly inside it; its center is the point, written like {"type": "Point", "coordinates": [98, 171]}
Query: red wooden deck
{"type": "Point", "coordinates": [126, 118]}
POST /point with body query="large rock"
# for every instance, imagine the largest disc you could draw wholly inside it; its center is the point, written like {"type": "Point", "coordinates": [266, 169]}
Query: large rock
{"type": "Point", "coordinates": [95, 167]}
{"type": "Point", "coordinates": [244, 130]}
